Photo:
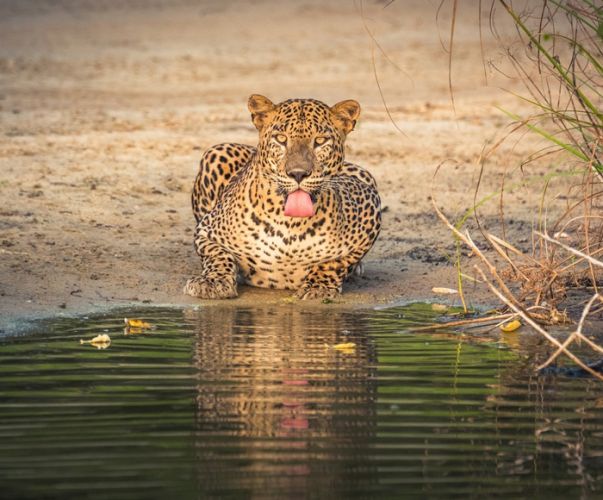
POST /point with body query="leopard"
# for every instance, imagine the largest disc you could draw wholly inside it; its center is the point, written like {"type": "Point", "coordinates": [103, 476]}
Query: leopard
{"type": "Point", "coordinates": [289, 213]}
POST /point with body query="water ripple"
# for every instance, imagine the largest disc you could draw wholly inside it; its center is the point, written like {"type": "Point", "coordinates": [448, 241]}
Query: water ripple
{"type": "Point", "coordinates": [258, 403]}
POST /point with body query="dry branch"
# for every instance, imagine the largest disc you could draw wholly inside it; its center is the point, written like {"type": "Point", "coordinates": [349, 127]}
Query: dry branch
{"type": "Point", "coordinates": [584, 256]}
{"type": "Point", "coordinates": [576, 334]}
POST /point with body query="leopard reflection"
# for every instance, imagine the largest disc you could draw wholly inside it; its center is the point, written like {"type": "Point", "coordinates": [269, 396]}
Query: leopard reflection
{"type": "Point", "coordinates": [278, 404]}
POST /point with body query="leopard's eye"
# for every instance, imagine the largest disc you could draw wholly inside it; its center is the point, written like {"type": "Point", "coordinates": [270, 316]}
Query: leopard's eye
{"type": "Point", "coordinates": [319, 141]}
{"type": "Point", "coordinates": [281, 138]}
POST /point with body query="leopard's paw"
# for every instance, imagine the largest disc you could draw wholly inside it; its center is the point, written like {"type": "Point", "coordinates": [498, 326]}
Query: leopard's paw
{"type": "Point", "coordinates": [317, 293]}
{"type": "Point", "coordinates": [205, 288]}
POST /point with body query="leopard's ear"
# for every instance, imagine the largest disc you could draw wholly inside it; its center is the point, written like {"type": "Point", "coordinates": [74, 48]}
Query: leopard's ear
{"type": "Point", "coordinates": [261, 109]}
{"type": "Point", "coordinates": [345, 114]}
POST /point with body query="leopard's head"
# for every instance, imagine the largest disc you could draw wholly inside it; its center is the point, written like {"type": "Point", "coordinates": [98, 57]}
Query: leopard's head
{"type": "Point", "coordinates": [301, 143]}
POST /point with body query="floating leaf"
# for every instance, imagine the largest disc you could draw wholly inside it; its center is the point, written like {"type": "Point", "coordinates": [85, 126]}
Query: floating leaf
{"type": "Point", "coordinates": [137, 323]}
{"type": "Point", "coordinates": [444, 291]}
{"type": "Point", "coordinates": [100, 341]}
{"type": "Point", "coordinates": [511, 326]}
{"type": "Point", "coordinates": [346, 345]}
{"type": "Point", "coordinates": [345, 348]}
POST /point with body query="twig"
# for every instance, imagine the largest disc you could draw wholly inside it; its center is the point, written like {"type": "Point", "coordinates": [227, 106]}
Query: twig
{"type": "Point", "coordinates": [487, 319]}
{"type": "Point", "coordinates": [496, 244]}
{"type": "Point", "coordinates": [570, 249]}
{"type": "Point", "coordinates": [452, 26]}
{"type": "Point", "coordinates": [576, 333]}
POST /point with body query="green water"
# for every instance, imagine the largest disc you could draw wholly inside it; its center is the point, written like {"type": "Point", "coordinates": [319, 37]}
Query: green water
{"type": "Point", "coordinates": [226, 402]}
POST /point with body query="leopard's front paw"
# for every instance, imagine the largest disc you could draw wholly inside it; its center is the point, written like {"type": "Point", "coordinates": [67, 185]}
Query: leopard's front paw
{"type": "Point", "coordinates": [317, 293]}
{"type": "Point", "coordinates": [205, 288]}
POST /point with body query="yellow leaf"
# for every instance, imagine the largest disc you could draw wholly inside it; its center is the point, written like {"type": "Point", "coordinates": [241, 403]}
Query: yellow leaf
{"type": "Point", "coordinates": [511, 326]}
{"type": "Point", "coordinates": [137, 323]}
{"type": "Point", "coordinates": [439, 307]}
{"type": "Point", "coordinates": [100, 341]}
{"type": "Point", "coordinates": [346, 348]}
{"type": "Point", "coordinates": [347, 345]}
{"type": "Point", "coordinates": [444, 291]}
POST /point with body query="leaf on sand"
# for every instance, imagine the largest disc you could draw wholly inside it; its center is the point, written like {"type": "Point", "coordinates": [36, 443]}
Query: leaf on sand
{"type": "Point", "coordinates": [560, 235]}
{"type": "Point", "coordinates": [511, 326]}
{"type": "Point", "coordinates": [444, 291]}
{"type": "Point", "coordinates": [100, 341]}
{"type": "Point", "coordinates": [137, 323]}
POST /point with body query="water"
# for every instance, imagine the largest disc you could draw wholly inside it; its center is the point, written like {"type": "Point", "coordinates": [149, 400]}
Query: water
{"type": "Point", "coordinates": [227, 402]}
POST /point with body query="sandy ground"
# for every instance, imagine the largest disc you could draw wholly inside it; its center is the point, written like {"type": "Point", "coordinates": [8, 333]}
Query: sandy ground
{"type": "Point", "coordinates": [106, 107]}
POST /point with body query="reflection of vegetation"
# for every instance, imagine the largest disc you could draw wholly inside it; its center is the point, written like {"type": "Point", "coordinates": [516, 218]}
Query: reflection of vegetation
{"type": "Point", "coordinates": [452, 409]}
{"type": "Point", "coordinates": [77, 422]}
{"type": "Point", "coordinates": [439, 361]}
{"type": "Point", "coordinates": [246, 402]}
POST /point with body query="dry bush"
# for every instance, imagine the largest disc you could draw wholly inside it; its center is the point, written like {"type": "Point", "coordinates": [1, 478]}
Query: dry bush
{"type": "Point", "coordinates": [558, 56]}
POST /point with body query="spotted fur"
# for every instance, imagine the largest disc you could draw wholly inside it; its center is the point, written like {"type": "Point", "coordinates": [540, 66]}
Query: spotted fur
{"type": "Point", "coordinates": [239, 195]}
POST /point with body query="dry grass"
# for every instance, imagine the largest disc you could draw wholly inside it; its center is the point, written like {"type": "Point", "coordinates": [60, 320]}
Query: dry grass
{"type": "Point", "coordinates": [558, 56]}
{"type": "Point", "coordinates": [501, 289]}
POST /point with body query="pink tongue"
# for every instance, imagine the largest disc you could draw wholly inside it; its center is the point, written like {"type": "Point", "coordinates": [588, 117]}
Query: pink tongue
{"type": "Point", "coordinates": [299, 204]}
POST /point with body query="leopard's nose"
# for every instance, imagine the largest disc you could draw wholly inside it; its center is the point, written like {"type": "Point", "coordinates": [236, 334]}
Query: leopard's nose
{"type": "Point", "coordinates": [298, 175]}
